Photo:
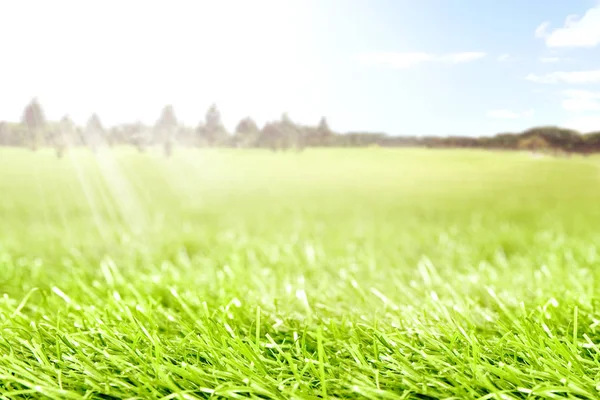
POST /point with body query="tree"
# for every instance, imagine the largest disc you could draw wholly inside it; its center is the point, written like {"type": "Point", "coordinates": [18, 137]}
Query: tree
{"type": "Point", "coordinates": [35, 122]}
{"type": "Point", "coordinates": [271, 136]}
{"type": "Point", "coordinates": [67, 131]}
{"type": "Point", "coordinates": [63, 135]}
{"type": "Point", "coordinates": [94, 133]}
{"type": "Point", "coordinates": [115, 135]}
{"type": "Point", "coordinates": [533, 143]}
{"type": "Point", "coordinates": [290, 133]}
{"type": "Point", "coordinates": [320, 135]}
{"type": "Point", "coordinates": [213, 118]}
{"type": "Point", "coordinates": [212, 132]}
{"type": "Point", "coordinates": [94, 125]}
{"type": "Point", "coordinates": [558, 138]}
{"type": "Point", "coordinates": [323, 133]}
{"type": "Point", "coordinates": [4, 134]}
{"type": "Point", "coordinates": [186, 135]}
{"type": "Point", "coordinates": [165, 128]}
{"type": "Point", "coordinates": [246, 132]}
{"type": "Point", "coordinates": [591, 143]}
{"type": "Point", "coordinates": [137, 136]}
{"type": "Point", "coordinates": [167, 120]}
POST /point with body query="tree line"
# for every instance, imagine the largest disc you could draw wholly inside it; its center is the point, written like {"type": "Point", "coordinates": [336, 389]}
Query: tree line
{"type": "Point", "coordinates": [35, 131]}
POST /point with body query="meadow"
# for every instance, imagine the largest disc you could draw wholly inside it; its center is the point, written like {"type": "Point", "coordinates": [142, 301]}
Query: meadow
{"type": "Point", "coordinates": [331, 273]}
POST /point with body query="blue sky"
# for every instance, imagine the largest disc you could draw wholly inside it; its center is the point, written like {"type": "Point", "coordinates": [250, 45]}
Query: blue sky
{"type": "Point", "coordinates": [416, 67]}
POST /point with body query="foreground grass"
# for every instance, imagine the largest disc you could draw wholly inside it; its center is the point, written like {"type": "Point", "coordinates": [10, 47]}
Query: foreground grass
{"type": "Point", "coordinates": [392, 274]}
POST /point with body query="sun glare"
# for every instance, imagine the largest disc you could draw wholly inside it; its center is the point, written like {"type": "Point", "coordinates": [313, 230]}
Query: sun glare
{"type": "Point", "coordinates": [123, 60]}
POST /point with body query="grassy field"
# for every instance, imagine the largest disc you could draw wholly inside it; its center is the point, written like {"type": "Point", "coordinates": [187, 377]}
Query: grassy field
{"type": "Point", "coordinates": [373, 273]}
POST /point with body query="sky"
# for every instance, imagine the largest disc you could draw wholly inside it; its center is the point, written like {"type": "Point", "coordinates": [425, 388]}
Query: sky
{"type": "Point", "coordinates": [404, 67]}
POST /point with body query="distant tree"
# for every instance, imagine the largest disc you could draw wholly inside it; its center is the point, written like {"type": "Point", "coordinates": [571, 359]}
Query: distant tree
{"type": "Point", "coordinates": [323, 126]}
{"type": "Point", "coordinates": [186, 135]}
{"type": "Point", "coordinates": [558, 138]}
{"type": "Point", "coordinates": [291, 134]}
{"type": "Point", "coordinates": [212, 132]}
{"type": "Point", "coordinates": [324, 133]}
{"type": "Point", "coordinates": [35, 122]}
{"type": "Point", "coordinates": [4, 134]}
{"type": "Point", "coordinates": [63, 135]}
{"type": "Point", "coordinates": [246, 133]}
{"type": "Point", "coordinates": [137, 133]}
{"type": "Point", "coordinates": [123, 134]}
{"type": "Point", "coordinates": [591, 143]}
{"type": "Point", "coordinates": [115, 135]}
{"type": "Point", "coordinates": [18, 134]}
{"type": "Point", "coordinates": [167, 120]}
{"type": "Point", "coordinates": [320, 135]}
{"type": "Point", "coordinates": [271, 136]}
{"type": "Point", "coordinates": [165, 128]}
{"type": "Point", "coordinates": [67, 131]}
{"type": "Point", "coordinates": [200, 137]}
{"type": "Point", "coordinates": [360, 139]}
{"type": "Point", "coordinates": [168, 147]}
{"type": "Point", "coordinates": [94, 133]}
{"type": "Point", "coordinates": [59, 145]}
{"type": "Point", "coordinates": [534, 143]}
{"type": "Point", "coordinates": [213, 118]}
{"type": "Point", "coordinates": [94, 125]}
{"type": "Point", "coordinates": [506, 141]}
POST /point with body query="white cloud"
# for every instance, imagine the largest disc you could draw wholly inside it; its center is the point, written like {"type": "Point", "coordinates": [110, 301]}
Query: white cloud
{"type": "Point", "coordinates": [590, 123]}
{"type": "Point", "coordinates": [589, 76]}
{"type": "Point", "coordinates": [580, 103]}
{"type": "Point", "coordinates": [503, 57]}
{"type": "Point", "coordinates": [571, 20]}
{"type": "Point", "coordinates": [581, 100]}
{"type": "Point", "coordinates": [457, 58]}
{"type": "Point", "coordinates": [576, 32]}
{"type": "Point", "coordinates": [508, 114]}
{"type": "Point", "coordinates": [541, 30]}
{"type": "Point", "coordinates": [396, 60]}
{"type": "Point", "coordinates": [503, 114]}
{"type": "Point", "coordinates": [409, 60]}
{"type": "Point", "coordinates": [547, 60]}
{"type": "Point", "coordinates": [528, 114]}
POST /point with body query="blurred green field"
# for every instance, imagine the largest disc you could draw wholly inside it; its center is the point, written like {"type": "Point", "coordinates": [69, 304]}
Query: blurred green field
{"type": "Point", "coordinates": [375, 273]}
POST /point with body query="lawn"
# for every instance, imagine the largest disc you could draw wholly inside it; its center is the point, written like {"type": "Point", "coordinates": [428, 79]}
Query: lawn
{"type": "Point", "coordinates": [339, 273]}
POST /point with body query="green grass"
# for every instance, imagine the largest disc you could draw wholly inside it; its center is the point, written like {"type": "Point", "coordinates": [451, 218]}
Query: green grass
{"type": "Point", "coordinates": [372, 273]}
